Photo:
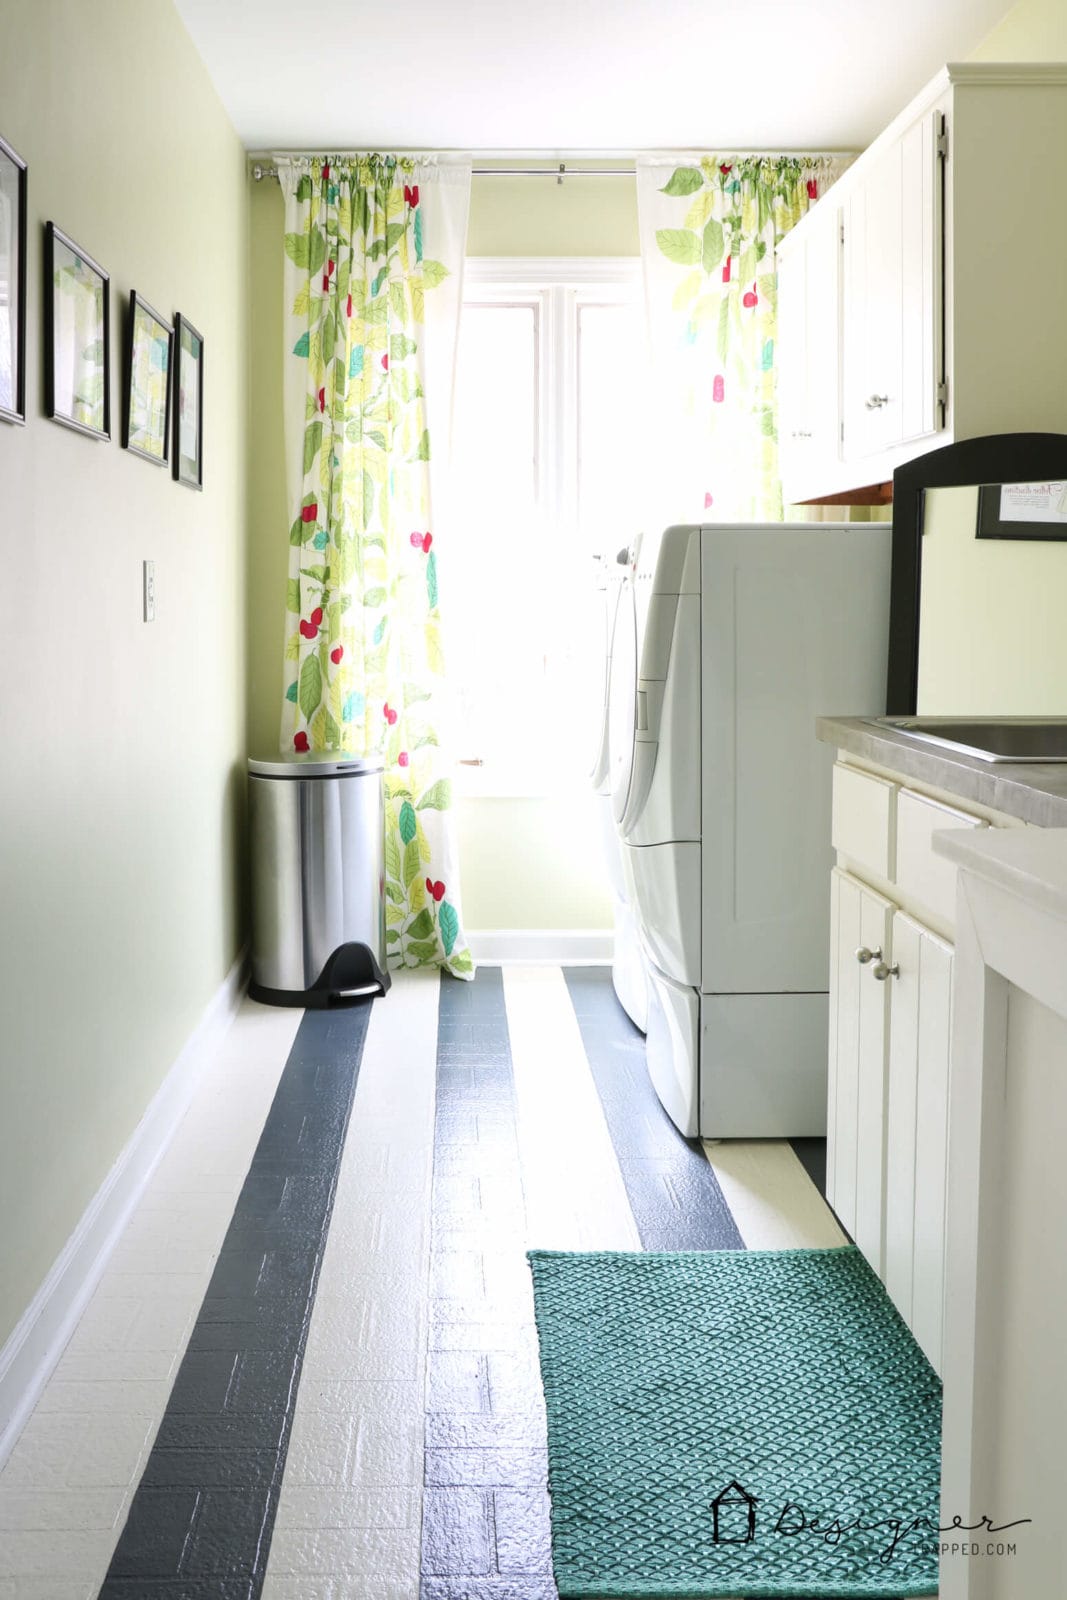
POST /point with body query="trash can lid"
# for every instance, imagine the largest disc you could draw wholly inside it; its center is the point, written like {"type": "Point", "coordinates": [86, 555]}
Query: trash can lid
{"type": "Point", "coordinates": [313, 764]}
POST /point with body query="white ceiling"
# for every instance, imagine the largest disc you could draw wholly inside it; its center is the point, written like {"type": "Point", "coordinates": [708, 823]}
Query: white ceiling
{"type": "Point", "coordinates": [570, 75]}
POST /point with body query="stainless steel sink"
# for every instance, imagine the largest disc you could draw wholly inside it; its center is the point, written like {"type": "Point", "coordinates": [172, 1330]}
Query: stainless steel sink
{"type": "Point", "coordinates": [989, 738]}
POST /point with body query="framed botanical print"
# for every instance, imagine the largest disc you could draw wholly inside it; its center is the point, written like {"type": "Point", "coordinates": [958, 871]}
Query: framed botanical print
{"type": "Point", "coordinates": [149, 348]}
{"type": "Point", "coordinates": [188, 403]}
{"type": "Point", "coordinates": [77, 331]}
{"type": "Point", "coordinates": [12, 285]}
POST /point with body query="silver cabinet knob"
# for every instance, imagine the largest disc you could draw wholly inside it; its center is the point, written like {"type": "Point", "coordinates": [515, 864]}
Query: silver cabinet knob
{"type": "Point", "coordinates": [863, 955]}
{"type": "Point", "coordinates": [881, 972]}
{"type": "Point", "coordinates": [875, 402]}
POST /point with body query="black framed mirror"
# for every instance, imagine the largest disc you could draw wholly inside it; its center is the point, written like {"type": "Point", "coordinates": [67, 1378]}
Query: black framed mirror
{"type": "Point", "coordinates": [998, 458]}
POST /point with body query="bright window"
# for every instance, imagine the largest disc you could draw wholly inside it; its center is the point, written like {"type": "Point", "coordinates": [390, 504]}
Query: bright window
{"type": "Point", "coordinates": [546, 446]}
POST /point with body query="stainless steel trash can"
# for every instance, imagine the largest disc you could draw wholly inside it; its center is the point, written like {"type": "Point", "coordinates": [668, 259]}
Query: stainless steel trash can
{"type": "Point", "coordinates": [318, 872]}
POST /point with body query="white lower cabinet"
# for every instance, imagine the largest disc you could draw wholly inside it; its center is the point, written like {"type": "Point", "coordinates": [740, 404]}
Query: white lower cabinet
{"type": "Point", "coordinates": [887, 1140]}
{"type": "Point", "coordinates": [860, 923]}
{"type": "Point", "coordinates": [917, 1129]}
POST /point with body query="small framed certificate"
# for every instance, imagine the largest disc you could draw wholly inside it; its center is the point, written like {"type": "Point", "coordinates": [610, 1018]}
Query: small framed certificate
{"type": "Point", "coordinates": [1022, 511]}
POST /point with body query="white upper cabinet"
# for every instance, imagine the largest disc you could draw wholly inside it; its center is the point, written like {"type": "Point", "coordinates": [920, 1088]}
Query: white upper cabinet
{"type": "Point", "coordinates": [891, 344]}
{"type": "Point", "coordinates": [917, 333]}
{"type": "Point", "coordinates": [809, 289]}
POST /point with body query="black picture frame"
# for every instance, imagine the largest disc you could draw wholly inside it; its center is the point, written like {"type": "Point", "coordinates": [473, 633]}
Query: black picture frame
{"type": "Point", "coordinates": [992, 524]}
{"type": "Point", "coordinates": [14, 187]}
{"type": "Point", "coordinates": [148, 383]}
{"type": "Point", "coordinates": [70, 396]}
{"type": "Point", "coordinates": [188, 401]}
{"type": "Point", "coordinates": [1000, 457]}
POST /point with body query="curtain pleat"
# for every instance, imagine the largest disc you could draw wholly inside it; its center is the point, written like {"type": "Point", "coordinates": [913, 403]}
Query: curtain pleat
{"type": "Point", "coordinates": [709, 229]}
{"type": "Point", "coordinates": [373, 280]}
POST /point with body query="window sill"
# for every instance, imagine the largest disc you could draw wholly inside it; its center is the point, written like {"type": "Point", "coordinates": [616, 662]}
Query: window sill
{"type": "Point", "coordinates": [497, 783]}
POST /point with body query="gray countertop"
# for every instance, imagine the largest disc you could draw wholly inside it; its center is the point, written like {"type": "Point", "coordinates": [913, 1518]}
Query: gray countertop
{"type": "Point", "coordinates": [1034, 793]}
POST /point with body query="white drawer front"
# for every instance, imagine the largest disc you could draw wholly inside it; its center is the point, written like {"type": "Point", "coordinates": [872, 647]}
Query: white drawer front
{"type": "Point", "coordinates": [923, 877]}
{"type": "Point", "coordinates": [863, 820]}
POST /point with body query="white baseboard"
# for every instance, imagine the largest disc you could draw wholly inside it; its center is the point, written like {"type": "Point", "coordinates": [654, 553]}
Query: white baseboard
{"type": "Point", "coordinates": [39, 1339]}
{"type": "Point", "coordinates": [557, 947]}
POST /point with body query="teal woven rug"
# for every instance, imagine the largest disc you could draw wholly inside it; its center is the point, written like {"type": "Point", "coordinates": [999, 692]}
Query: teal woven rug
{"type": "Point", "coordinates": [735, 1423]}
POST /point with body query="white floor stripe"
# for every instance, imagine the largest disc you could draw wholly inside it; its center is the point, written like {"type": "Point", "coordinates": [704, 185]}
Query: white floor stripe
{"type": "Point", "coordinates": [67, 1486]}
{"type": "Point", "coordinates": [575, 1195]}
{"type": "Point", "coordinates": [349, 1520]}
{"type": "Point", "coordinates": [774, 1203]}
{"type": "Point", "coordinates": [351, 1499]}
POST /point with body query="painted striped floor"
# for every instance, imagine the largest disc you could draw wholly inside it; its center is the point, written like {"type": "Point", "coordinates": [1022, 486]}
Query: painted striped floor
{"type": "Point", "coordinates": [310, 1370]}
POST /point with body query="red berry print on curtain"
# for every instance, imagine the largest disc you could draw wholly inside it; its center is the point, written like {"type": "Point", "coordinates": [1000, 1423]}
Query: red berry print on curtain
{"type": "Point", "coordinates": [710, 229]}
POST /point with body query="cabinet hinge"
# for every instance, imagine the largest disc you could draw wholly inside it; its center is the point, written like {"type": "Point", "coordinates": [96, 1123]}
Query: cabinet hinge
{"type": "Point", "coordinates": [841, 431]}
{"type": "Point", "coordinates": [842, 232]}
{"type": "Point", "coordinates": [941, 145]}
{"type": "Point", "coordinates": [942, 402]}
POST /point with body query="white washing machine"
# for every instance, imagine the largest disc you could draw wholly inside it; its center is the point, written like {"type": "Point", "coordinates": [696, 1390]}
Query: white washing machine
{"type": "Point", "coordinates": [629, 970]}
{"type": "Point", "coordinates": [734, 641]}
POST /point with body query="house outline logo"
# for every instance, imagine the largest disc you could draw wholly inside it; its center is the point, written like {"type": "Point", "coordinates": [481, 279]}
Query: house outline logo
{"type": "Point", "coordinates": [733, 1505]}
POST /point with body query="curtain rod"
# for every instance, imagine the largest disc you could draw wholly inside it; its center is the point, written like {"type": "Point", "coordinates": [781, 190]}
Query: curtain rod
{"type": "Point", "coordinates": [261, 170]}
{"type": "Point", "coordinates": [559, 173]}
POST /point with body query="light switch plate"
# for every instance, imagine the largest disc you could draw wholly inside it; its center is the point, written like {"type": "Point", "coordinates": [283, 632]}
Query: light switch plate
{"type": "Point", "coordinates": [150, 591]}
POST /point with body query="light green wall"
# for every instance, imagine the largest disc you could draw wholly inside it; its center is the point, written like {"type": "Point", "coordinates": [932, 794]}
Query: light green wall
{"type": "Point", "coordinates": [269, 565]}
{"type": "Point", "coordinates": [533, 863]}
{"type": "Point", "coordinates": [1033, 30]}
{"type": "Point", "coordinates": [541, 217]}
{"type": "Point", "coordinates": [991, 635]}
{"type": "Point", "coordinates": [121, 781]}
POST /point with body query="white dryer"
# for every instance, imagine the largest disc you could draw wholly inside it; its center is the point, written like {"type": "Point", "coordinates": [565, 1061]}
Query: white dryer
{"type": "Point", "coordinates": [629, 969]}
{"type": "Point", "coordinates": [736, 639]}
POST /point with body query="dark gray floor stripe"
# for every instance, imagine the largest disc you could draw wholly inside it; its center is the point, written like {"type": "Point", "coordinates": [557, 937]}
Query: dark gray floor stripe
{"type": "Point", "coordinates": [485, 1530]}
{"type": "Point", "coordinates": [200, 1524]}
{"type": "Point", "coordinates": [811, 1154]}
{"type": "Point", "coordinates": [674, 1194]}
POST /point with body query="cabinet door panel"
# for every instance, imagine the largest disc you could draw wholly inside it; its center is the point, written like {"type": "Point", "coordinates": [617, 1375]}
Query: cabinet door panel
{"type": "Point", "coordinates": [822, 309]}
{"type": "Point", "coordinates": [794, 426]}
{"type": "Point", "coordinates": [856, 1118]}
{"type": "Point", "coordinates": [891, 313]}
{"type": "Point", "coordinates": [920, 259]}
{"type": "Point", "coordinates": [873, 309]}
{"type": "Point", "coordinates": [809, 353]}
{"type": "Point", "coordinates": [931, 1143]}
{"type": "Point", "coordinates": [876, 933]}
{"type": "Point", "coordinates": [917, 1129]}
{"type": "Point", "coordinates": [844, 1048]}
{"type": "Point", "coordinates": [900, 1117]}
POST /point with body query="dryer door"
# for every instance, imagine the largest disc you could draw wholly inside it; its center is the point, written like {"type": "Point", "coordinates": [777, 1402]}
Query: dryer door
{"type": "Point", "coordinates": [610, 587]}
{"type": "Point", "coordinates": [622, 700]}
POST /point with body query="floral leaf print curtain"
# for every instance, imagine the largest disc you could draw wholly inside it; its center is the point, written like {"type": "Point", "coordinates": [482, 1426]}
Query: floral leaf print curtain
{"type": "Point", "coordinates": [709, 228]}
{"type": "Point", "coordinates": [374, 255]}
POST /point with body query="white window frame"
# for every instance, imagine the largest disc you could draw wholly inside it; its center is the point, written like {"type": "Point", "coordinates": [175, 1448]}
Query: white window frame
{"type": "Point", "coordinates": [558, 286]}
